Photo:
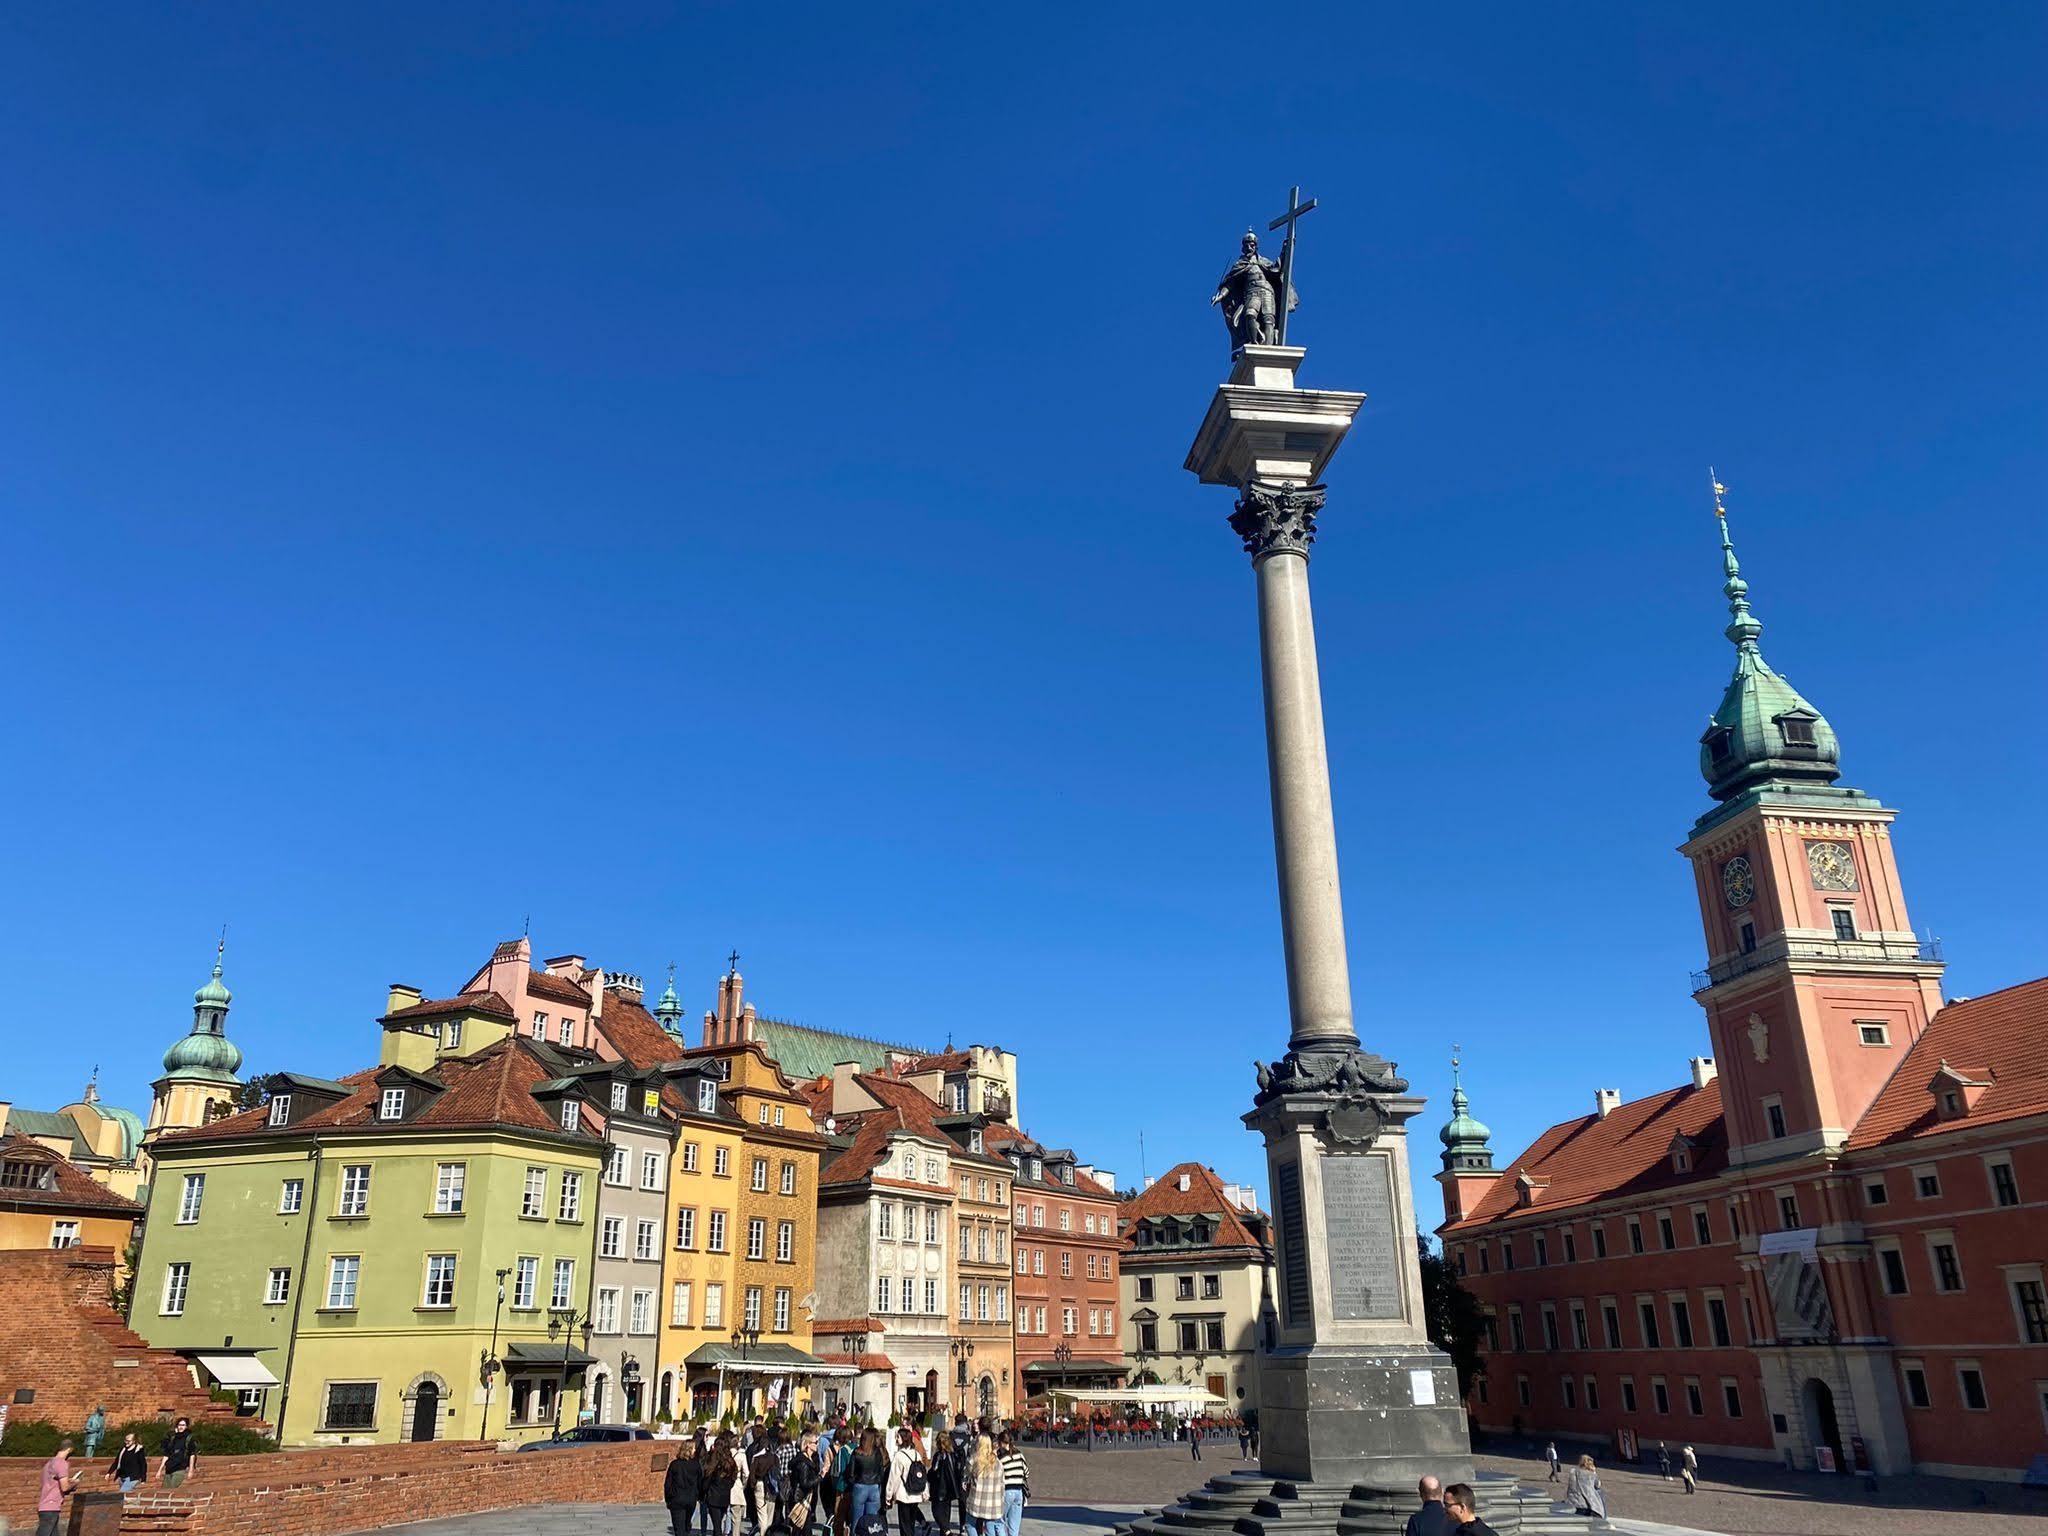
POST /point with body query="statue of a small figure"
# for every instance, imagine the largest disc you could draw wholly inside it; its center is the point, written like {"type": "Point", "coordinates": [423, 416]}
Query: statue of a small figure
{"type": "Point", "coordinates": [1248, 295]}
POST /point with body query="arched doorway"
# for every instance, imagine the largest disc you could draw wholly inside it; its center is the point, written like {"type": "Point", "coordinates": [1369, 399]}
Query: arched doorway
{"type": "Point", "coordinates": [985, 1397]}
{"type": "Point", "coordinates": [1822, 1429]}
{"type": "Point", "coordinates": [426, 1411]}
{"type": "Point", "coordinates": [599, 1383]}
{"type": "Point", "coordinates": [931, 1392]}
{"type": "Point", "coordinates": [666, 1406]}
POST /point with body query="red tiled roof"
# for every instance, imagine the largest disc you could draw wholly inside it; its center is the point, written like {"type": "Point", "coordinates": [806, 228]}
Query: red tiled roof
{"type": "Point", "coordinates": [865, 1362]}
{"type": "Point", "coordinates": [940, 1061]}
{"type": "Point", "coordinates": [463, 1002]}
{"type": "Point", "coordinates": [1001, 1134]}
{"type": "Point", "coordinates": [1203, 1196]}
{"type": "Point", "coordinates": [74, 1188]}
{"type": "Point", "coordinates": [870, 1141]}
{"type": "Point", "coordinates": [2001, 1036]}
{"type": "Point", "coordinates": [641, 1042]}
{"type": "Point", "coordinates": [560, 988]}
{"type": "Point", "coordinates": [1626, 1153]}
{"type": "Point", "coordinates": [493, 1087]}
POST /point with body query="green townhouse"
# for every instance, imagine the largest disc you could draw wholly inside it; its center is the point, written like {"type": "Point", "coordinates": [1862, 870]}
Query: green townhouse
{"type": "Point", "coordinates": [381, 1258]}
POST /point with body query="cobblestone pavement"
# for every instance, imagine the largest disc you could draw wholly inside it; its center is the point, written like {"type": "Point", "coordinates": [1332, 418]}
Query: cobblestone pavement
{"type": "Point", "coordinates": [1076, 1491]}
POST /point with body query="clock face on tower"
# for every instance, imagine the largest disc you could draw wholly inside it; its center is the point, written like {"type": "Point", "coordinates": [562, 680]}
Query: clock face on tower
{"type": "Point", "coordinates": [1833, 866]}
{"type": "Point", "coordinates": [1738, 883]}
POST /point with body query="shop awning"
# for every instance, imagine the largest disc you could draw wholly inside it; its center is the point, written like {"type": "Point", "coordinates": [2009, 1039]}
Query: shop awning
{"type": "Point", "coordinates": [1160, 1396]}
{"type": "Point", "coordinates": [530, 1356]}
{"type": "Point", "coordinates": [1073, 1368]}
{"type": "Point", "coordinates": [237, 1370]}
{"type": "Point", "coordinates": [763, 1360]}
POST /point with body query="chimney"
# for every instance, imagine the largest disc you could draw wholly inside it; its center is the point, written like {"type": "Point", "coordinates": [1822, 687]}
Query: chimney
{"type": "Point", "coordinates": [1703, 1071]}
{"type": "Point", "coordinates": [1606, 1101]}
{"type": "Point", "coordinates": [1151, 1179]}
{"type": "Point", "coordinates": [402, 996]}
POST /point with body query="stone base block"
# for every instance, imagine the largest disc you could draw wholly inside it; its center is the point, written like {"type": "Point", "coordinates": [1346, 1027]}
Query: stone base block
{"type": "Point", "coordinates": [1253, 1504]}
{"type": "Point", "coordinates": [1348, 1417]}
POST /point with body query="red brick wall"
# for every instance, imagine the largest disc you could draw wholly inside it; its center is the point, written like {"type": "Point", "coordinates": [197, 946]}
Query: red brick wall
{"type": "Point", "coordinates": [360, 1488]}
{"type": "Point", "coordinates": [61, 1338]}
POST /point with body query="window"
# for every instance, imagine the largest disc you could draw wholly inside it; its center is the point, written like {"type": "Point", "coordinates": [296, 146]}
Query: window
{"type": "Point", "coordinates": [1844, 919]}
{"type": "Point", "coordinates": [291, 1194]}
{"type": "Point", "coordinates": [757, 1238]}
{"type": "Point", "coordinates": [618, 1096]}
{"type": "Point", "coordinates": [1003, 1308]}
{"type": "Point", "coordinates": [785, 1242]}
{"type": "Point", "coordinates": [764, 1113]}
{"type": "Point", "coordinates": [721, 1162]}
{"type": "Point", "coordinates": [981, 1300]}
{"type": "Point", "coordinates": [931, 1225]}
{"type": "Point", "coordinates": [1948, 1273]}
{"type": "Point", "coordinates": [1635, 1235]}
{"type": "Point", "coordinates": [1507, 1253]}
{"type": "Point", "coordinates": [1693, 1403]}
{"type": "Point", "coordinates": [1628, 1395]}
{"type": "Point", "coordinates": [571, 1206]}
{"type": "Point", "coordinates": [1702, 1233]}
{"type": "Point", "coordinates": [349, 1405]}
{"type": "Point", "coordinates": [1915, 1376]}
{"type": "Point", "coordinates": [1666, 1238]}
{"type": "Point", "coordinates": [177, 1281]}
{"type": "Point", "coordinates": [1971, 1381]}
{"type": "Point", "coordinates": [759, 1182]}
{"type": "Point", "coordinates": [343, 1271]}
{"type": "Point", "coordinates": [1571, 1246]}
{"type": "Point", "coordinates": [440, 1287]}
{"type": "Point", "coordinates": [188, 1201]}
{"type": "Point", "coordinates": [640, 1316]}
{"type": "Point", "coordinates": [280, 1109]}
{"type": "Point", "coordinates": [646, 1239]}
{"type": "Point", "coordinates": [1788, 1210]}
{"type": "Point", "coordinates": [686, 1226]}
{"type": "Point", "coordinates": [1066, 1220]}
{"type": "Point", "coordinates": [1518, 1340]}
{"type": "Point", "coordinates": [1610, 1324]}
{"type": "Point", "coordinates": [540, 1026]}
{"type": "Point", "coordinates": [2030, 1305]}
{"type": "Point", "coordinates": [1522, 1390]}
{"type": "Point", "coordinates": [1183, 1287]}
{"type": "Point", "coordinates": [1148, 1337]}
{"type": "Point", "coordinates": [533, 1197]}
{"type": "Point", "coordinates": [1212, 1331]}
{"type": "Point", "coordinates": [1580, 1338]}
{"type": "Point", "coordinates": [679, 1305]}
{"type": "Point", "coordinates": [1717, 1322]}
{"type": "Point", "coordinates": [1070, 1322]}
{"type": "Point", "coordinates": [707, 1096]}
{"type": "Point", "coordinates": [1144, 1287]}
{"type": "Point", "coordinates": [1599, 1240]}
{"type": "Point", "coordinates": [63, 1234]}
{"type": "Point", "coordinates": [1660, 1395]}
{"type": "Point", "coordinates": [650, 1170]}
{"type": "Point", "coordinates": [391, 1106]}
{"type": "Point", "coordinates": [689, 1157]}
{"type": "Point", "coordinates": [1747, 935]}
{"type": "Point", "coordinates": [788, 1185]}
{"type": "Point", "coordinates": [2004, 1189]}
{"type": "Point", "coordinates": [1927, 1183]}
{"type": "Point", "coordinates": [1891, 1264]}
{"type": "Point", "coordinates": [525, 1282]}
{"type": "Point", "coordinates": [931, 1170]}
{"type": "Point", "coordinates": [781, 1323]}
{"type": "Point", "coordinates": [883, 1285]}
{"type": "Point", "coordinates": [885, 1219]}
{"type": "Point", "coordinates": [1774, 1118]}
{"type": "Point", "coordinates": [1731, 1398]}
{"type": "Point", "coordinates": [1571, 1392]}
{"type": "Point", "coordinates": [966, 1302]}
{"type": "Point", "coordinates": [452, 1034]}
{"type": "Point", "coordinates": [611, 1238]}
{"type": "Point", "coordinates": [1875, 1192]}
{"type": "Point", "coordinates": [563, 1026]}
{"type": "Point", "coordinates": [278, 1288]}
{"type": "Point", "coordinates": [606, 1319]}
{"type": "Point", "coordinates": [1592, 1394]}
{"type": "Point", "coordinates": [716, 1237]}
{"type": "Point", "coordinates": [1869, 1032]}
{"type": "Point", "coordinates": [714, 1304]}
{"type": "Point", "coordinates": [1646, 1318]}
{"type": "Point", "coordinates": [448, 1181]}
{"type": "Point", "coordinates": [1038, 1261]}
{"type": "Point", "coordinates": [355, 1190]}
{"type": "Point", "coordinates": [615, 1166]}
{"type": "Point", "coordinates": [1542, 1250]}
{"type": "Point", "coordinates": [1681, 1323]}
{"type": "Point", "coordinates": [1550, 1337]}
{"type": "Point", "coordinates": [1038, 1215]}
{"type": "Point", "coordinates": [1066, 1264]}
{"type": "Point", "coordinates": [572, 1115]}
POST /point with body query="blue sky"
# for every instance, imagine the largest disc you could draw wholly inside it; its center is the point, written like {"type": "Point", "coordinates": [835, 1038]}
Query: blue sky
{"type": "Point", "coordinates": [710, 478]}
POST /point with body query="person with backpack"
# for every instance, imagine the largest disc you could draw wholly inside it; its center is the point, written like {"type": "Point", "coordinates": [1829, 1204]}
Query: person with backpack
{"type": "Point", "coordinates": [721, 1471]}
{"type": "Point", "coordinates": [764, 1479]}
{"type": "Point", "coordinates": [909, 1485]}
{"type": "Point", "coordinates": [870, 1472]}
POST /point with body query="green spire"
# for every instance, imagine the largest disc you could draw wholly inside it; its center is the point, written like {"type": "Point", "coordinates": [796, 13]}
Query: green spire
{"type": "Point", "coordinates": [1764, 732]}
{"type": "Point", "coordinates": [206, 1052]}
{"type": "Point", "coordinates": [670, 1009]}
{"type": "Point", "coordinates": [1465, 1139]}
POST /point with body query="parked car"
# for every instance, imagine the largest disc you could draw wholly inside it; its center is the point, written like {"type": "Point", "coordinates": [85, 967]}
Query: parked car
{"type": "Point", "coordinates": [590, 1434]}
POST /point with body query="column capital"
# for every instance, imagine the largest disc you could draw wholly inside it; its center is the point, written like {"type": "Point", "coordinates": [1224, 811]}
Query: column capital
{"type": "Point", "coordinates": [1277, 519]}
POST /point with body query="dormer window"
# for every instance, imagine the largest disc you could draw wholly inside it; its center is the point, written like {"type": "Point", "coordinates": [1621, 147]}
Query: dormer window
{"type": "Point", "coordinates": [392, 1105]}
{"type": "Point", "coordinates": [1720, 745]}
{"type": "Point", "coordinates": [959, 1098]}
{"type": "Point", "coordinates": [1797, 731]}
{"type": "Point", "coordinates": [707, 1096]}
{"type": "Point", "coordinates": [280, 1109]}
{"type": "Point", "coordinates": [1681, 1160]}
{"type": "Point", "coordinates": [572, 1115]}
{"type": "Point", "coordinates": [619, 1091]}
{"type": "Point", "coordinates": [974, 1140]}
{"type": "Point", "coordinates": [1037, 1169]}
{"type": "Point", "coordinates": [1067, 1174]}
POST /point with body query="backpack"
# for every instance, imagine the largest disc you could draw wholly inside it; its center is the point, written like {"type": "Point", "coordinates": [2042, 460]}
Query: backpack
{"type": "Point", "coordinates": [915, 1478]}
{"type": "Point", "coordinates": [842, 1463]}
{"type": "Point", "coordinates": [768, 1473]}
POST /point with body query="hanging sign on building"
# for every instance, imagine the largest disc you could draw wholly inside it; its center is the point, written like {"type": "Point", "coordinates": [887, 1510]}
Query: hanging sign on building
{"type": "Point", "coordinates": [1792, 1275]}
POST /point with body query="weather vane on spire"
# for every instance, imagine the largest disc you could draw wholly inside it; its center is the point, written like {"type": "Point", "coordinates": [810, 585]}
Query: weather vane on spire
{"type": "Point", "coordinates": [1720, 490]}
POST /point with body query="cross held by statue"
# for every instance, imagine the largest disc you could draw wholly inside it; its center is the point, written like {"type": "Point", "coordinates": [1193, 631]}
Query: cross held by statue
{"type": "Point", "coordinates": [1295, 209]}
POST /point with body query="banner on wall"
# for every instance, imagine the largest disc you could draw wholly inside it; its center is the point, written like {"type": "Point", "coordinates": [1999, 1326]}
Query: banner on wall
{"type": "Point", "coordinates": [1792, 1277]}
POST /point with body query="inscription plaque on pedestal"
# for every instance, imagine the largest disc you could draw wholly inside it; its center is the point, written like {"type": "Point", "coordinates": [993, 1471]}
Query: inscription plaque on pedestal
{"type": "Point", "coordinates": [1358, 1224]}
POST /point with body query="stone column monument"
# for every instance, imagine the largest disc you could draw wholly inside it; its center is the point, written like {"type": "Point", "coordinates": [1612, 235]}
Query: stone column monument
{"type": "Point", "coordinates": [1355, 1403]}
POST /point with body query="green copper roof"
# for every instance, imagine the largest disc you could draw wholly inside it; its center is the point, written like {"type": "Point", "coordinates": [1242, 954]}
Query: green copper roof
{"type": "Point", "coordinates": [802, 1052]}
{"type": "Point", "coordinates": [1464, 1137]}
{"type": "Point", "coordinates": [206, 1054]}
{"type": "Point", "coordinates": [1764, 732]}
{"type": "Point", "coordinates": [670, 1009]}
{"type": "Point", "coordinates": [214, 994]}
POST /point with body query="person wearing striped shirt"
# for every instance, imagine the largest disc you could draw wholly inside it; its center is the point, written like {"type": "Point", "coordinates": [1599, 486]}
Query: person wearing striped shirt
{"type": "Point", "coordinates": [1016, 1483]}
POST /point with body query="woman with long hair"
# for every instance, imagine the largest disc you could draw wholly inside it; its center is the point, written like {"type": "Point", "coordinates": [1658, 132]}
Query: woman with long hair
{"type": "Point", "coordinates": [720, 1472]}
{"type": "Point", "coordinates": [984, 1515]}
{"type": "Point", "coordinates": [909, 1485]}
{"type": "Point", "coordinates": [870, 1472]}
{"type": "Point", "coordinates": [682, 1487]}
{"type": "Point", "coordinates": [1016, 1482]}
{"type": "Point", "coordinates": [1582, 1489]}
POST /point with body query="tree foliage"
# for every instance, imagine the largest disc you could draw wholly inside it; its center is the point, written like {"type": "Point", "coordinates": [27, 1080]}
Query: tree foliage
{"type": "Point", "coordinates": [1453, 1316]}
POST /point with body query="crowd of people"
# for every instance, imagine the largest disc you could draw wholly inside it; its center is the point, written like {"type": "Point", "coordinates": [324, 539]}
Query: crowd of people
{"type": "Point", "coordinates": [842, 1478]}
{"type": "Point", "coordinates": [128, 1470]}
{"type": "Point", "coordinates": [1455, 1509]}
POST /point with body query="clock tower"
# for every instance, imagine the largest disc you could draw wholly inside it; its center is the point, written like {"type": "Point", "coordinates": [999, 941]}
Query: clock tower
{"type": "Point", "coordinates": [1815, 985]}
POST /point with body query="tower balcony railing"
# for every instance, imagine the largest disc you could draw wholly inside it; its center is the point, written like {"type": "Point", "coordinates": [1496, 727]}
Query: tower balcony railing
{"type": "Point", "coordinates": [1835, 951]}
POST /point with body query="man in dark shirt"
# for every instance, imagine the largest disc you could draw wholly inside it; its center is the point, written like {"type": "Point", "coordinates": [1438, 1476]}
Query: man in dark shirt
{"type": "Point", "coordinates": [1432, 1519]}
{"type": "Point", "coordinates": [1464, 1509]}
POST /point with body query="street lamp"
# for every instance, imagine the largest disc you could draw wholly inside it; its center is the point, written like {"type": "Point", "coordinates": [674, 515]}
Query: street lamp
{"type": "Point", "coordinates": [568, 1322]}
{"type": "Point", "coordinates": [490, 1365]}
{"type": "Point", "coordinates": [962, 1351]}
{"type": "Point", "coordinates": [744, 1338]}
